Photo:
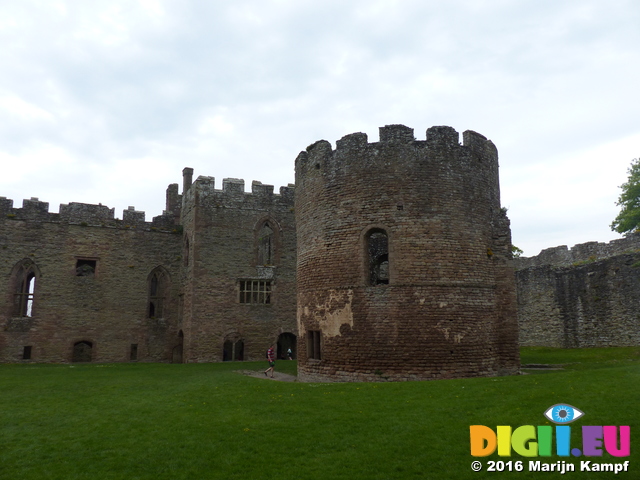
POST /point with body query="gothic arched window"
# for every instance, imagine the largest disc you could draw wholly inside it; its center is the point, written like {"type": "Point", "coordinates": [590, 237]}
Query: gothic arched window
{"type": "Point", "coordinates": [25, 286]}
{"type": "Point", "coordinates": [158, 280]}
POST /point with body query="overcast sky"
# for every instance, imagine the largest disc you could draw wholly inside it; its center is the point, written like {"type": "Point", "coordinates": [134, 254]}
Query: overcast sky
{"type": "Point", "coordinates": [107, 101]}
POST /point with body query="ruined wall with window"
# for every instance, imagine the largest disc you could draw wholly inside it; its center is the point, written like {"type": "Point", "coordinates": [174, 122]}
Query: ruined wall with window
{"type": "Point", "coordinates": [81, 285]}
{"type": "Point", "coordinates": [239, 280]}
{"type": "Point", "coordinates": [586, 296]}
{"type": "Point", "coordinates": [404, 263]}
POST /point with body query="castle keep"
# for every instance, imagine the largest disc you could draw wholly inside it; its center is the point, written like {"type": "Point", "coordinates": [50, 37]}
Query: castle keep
{"type": "Point", "coordinates": [403, 259]}
{"type": "Point", "coordinates": [387, 261]}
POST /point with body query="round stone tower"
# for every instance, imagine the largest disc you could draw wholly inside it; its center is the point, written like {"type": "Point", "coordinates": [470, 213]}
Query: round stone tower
{"type": "Point", "coordinates": [404, 259]}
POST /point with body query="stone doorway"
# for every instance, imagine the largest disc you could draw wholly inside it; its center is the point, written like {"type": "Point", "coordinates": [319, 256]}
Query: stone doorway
{"type": "Point", "coordinates": [82, 352]}
{"type": "Point", "coordinates": [233, 349]}
{"type": "Point", "coordinates": [176, 353]}
{"type": "Point", "coordinates": [286, 341]}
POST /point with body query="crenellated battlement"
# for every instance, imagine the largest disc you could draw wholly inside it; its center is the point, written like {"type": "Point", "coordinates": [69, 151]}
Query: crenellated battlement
{"type": "Point", "coordinates": [84, 214]}
{"type": "Point", "coordinates": [562, 256]}
{"type": "Point", "coordinates": [88, 213]}
{"type": "Point", "coordinates": [438, 138]}
{"type": "Point", "coordinates": [233, 191]}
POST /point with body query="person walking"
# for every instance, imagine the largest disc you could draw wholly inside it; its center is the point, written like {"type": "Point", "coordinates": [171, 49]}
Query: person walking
{"type": "Point", "coordinates": [272, 362]}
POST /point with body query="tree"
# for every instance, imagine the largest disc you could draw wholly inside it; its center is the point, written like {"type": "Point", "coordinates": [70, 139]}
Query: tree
{"type": "Point", "coordinates": [628, 220]}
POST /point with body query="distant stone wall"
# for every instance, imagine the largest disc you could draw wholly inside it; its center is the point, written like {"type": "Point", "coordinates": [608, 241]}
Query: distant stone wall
{"type": "Point", "coordinates": [588, 296]}
{"type": "Point", "coordinates": [581, 253]}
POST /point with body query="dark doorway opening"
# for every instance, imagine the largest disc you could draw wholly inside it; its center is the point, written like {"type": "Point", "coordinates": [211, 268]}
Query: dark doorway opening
{"type": "Point", "coordinates": [233, 351]}
{"type": "Point", "coordinates": [176, 353]}
{"type": "Point", "coordinates": [82, 352]}
{"type": "Point", "coordinates": [287, 342]}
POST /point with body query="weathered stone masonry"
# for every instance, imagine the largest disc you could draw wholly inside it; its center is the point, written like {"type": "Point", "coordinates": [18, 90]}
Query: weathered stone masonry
{"type": "Point", "coordinates": [91, 274]}
{"type": "Point", "coordinates": [397, 254]}
{"type": "Point", "coordinates": [586, 296]}
{"type": "Point", "coordinates": [113, 290]}
{"type": "Point", "coordinates": [239, 270]}
{"type": "Point", "coordinates": [403, 259]}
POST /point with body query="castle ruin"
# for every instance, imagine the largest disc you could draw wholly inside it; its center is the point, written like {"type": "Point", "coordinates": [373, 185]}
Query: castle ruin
{"type": "Point", "coordinates": [404, 263]}
{"type": "Point", "coordinates": [211, 279]}
{"type": "Point", "coordinates": [387, 261]}
{"type": "Point", "coordinates": [586, 296]}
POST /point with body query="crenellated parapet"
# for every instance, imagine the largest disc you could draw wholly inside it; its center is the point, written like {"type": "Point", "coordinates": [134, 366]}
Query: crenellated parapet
{"type": "Point", "coordinates": [232, 195]}
{"type": "Point", "coordinates": [562, 256]}
{"type": "Point", "coordinates": [87, 213]}
{"type": "Point", "coordinates": [438, 139]}
{"type": "Point", "coordinates": [84, 214]}
{"type": "Point", "coordinates": [585, 296]}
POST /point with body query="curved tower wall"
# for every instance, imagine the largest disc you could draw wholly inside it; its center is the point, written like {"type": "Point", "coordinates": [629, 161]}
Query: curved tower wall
{"type": "Point", "coordinates": [443, 304]}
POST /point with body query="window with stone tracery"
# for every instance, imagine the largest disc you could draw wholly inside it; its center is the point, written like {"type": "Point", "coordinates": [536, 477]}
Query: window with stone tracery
{"type": "Point", "coordinates": [157, 293]}
{"type": "Point", "coordinates": [25, 287]}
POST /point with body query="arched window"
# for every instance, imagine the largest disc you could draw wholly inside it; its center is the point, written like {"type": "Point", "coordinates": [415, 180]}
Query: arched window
{"type": "Point", "coordinates": [25, 287]}
{"type": "Point", "coordinates": [378, 257]}
{"type": "Point", "coordinates": [266, 246]}
{"type": "Point", "coordinates": [158, 280]}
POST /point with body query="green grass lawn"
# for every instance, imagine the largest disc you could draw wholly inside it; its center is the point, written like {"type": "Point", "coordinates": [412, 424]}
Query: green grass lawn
{"type": "Point", "coordinates": [204, 421]}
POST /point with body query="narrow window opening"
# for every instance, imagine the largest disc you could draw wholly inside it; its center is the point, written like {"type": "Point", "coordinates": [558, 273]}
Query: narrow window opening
{"type": "Point", "coordinates": [378, 254]}
{"type": "Point", "coordinates": [314, 344]}
{"type": "Point", "coordinates": [133, 355]}
{"type": "Point", "coordinates": [26, 353]}
{"type": "Point", "coordinates": [265, 245]}
{"type": "Point", "coordinates": [186, 251]}
{"type": "Point", "coordinates": [85, 268]}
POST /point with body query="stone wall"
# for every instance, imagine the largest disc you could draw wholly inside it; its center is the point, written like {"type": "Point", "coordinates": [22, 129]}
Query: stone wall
{"type": "Point", "coordinates": [91, 283]}
{"type": "Point", "coordinates": [581, 253]}
{"type": "Point", "coordinates": [183, 287]}
{"type": "Point", "coordinates": [583, 297]}
{"type": "Point", "coordinates": [404, 267]}
{"type": "Point", "coordinates": [222, 231]}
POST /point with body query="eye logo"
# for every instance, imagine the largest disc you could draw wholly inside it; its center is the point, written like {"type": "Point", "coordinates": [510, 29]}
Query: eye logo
{"type": "Point", "coordinates": [562, 413]}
